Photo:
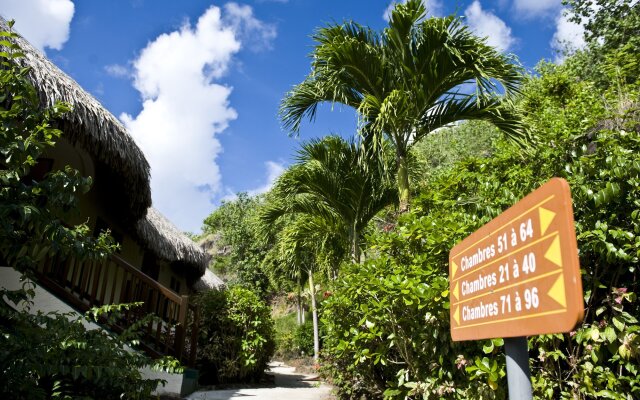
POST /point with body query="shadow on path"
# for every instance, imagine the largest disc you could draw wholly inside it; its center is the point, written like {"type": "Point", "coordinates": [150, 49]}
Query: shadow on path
{"type": "Point", "coordinates": [287, 385]}
{"type": "Point", "coordinates": [286, 377]}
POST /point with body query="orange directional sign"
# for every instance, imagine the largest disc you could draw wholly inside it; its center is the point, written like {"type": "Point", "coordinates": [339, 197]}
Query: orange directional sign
{"type": "Point", "coordinates": [519, 274]}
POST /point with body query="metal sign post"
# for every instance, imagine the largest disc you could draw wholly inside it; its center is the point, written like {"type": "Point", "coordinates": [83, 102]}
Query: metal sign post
{"type": "Point", "coordinates": [518, 374]}
{"type": "Point", "coordinates": [518, 276]}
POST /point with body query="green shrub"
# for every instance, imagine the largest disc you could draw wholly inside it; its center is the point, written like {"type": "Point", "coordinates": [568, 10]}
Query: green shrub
{"type": "Point", "coordinates": [236, 339]}
{"type": "Point", "coordinates": [387, 324]}
{"type": "Point", "coordinates": [285, 327]}
{"type": "Point", "coordinates": [54, 355]}
{"type": "Point", "coordinates": [303, 339]}
{"type": "Point", "coordinates": [285, 348]}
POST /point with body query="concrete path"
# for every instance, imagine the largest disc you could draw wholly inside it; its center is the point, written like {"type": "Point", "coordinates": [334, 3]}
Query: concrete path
{"type": "Point", "coordinates": [289, 385]}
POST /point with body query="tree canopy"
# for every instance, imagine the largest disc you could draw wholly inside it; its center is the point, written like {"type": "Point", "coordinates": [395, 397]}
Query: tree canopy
{"type": "Point", "coordinates": [415, 76]}
{"type": "Point", "coordinates": [332, 180]}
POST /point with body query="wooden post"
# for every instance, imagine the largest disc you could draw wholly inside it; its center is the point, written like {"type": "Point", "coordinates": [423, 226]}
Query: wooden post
{"type": "Point", "coordinates": [97, 272]}
{"type": "Point", "coordinates": [181, 327]}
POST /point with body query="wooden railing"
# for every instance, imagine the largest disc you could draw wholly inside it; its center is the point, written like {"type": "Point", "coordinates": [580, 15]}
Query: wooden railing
{"type": "Point", "coordinates": [86, 284]}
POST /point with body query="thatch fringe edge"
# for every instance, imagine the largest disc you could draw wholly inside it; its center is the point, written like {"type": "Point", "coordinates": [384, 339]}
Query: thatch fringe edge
{"type": "Point", "coordinates": [166, 241]}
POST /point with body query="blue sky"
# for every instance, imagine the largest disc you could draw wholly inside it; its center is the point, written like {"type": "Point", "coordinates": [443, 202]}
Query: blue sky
{"type": "Point", "coordinates": [198, 83]}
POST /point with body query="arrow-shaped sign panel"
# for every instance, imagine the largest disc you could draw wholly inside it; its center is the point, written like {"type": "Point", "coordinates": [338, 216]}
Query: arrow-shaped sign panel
{"type": "Point", "coordinates": [519, 274]}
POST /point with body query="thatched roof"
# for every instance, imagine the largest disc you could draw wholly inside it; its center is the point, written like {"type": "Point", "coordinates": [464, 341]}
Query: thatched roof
{"type": "Point", "coordinates": [167, 242]}
{"type": "Point", "coordinates": [208, 281]}
{"type": "Point", "coordinates": [93, 127]}
{"type": "Point", "coordinates": [123, 173]}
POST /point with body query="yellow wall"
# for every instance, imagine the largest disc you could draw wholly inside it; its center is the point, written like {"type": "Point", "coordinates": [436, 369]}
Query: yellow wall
{"type": "Point", "coordinates": [90, 206]}
{"type": "Point", "coordinates": [165, 275]}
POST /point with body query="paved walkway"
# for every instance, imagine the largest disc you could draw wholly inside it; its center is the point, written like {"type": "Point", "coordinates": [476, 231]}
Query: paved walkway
{"type": "Point", "coordinates": [289, 385]}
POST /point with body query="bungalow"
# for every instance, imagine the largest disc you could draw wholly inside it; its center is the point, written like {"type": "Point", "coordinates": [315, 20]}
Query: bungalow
{"type": "Point", "coordinates": [156, 263]}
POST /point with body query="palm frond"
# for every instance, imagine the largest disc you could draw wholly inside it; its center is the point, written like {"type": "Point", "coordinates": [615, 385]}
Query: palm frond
{"type": "Point", "coordinates": [329, 191]}
{"type": "Point", "coordinates": [490, 108]}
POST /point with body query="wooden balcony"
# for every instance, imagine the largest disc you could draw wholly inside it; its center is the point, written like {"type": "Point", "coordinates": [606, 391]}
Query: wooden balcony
{"type": "Point", "coordinates": [86, 284]}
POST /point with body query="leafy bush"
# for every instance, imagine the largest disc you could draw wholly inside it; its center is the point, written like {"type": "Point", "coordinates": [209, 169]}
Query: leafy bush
{"type": "Point", "coordinates": [600, 359]}
{"type": "Point", "coordinates": [236, 336]}
{"type": "Point", "coordinates": [446, 146]}
{"type": "Point", "coordinates": [387, 324]}
{"type": "Point", "coordinates": [241, 248]}
{"type": "Point", "coordinates": [55, 355]}
{"type": "Point", "coordinates": [285, 327]}
{"type": "Point", "coordinates": [293, 340]}
{"type": "Point", "coordinates": [303, 338]}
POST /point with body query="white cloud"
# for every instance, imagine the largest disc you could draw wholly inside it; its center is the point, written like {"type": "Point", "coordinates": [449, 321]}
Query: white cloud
{"type": "Point", "coordinates": [274, 170]}
{"type": "Point", "coordinates": [117, 70]}
{"type": "Point", "coordinates": [485, 24]}
{"type": "Point", "coordinates": [44, 23]}
{"type": "Point", "coordinates": [253, 32]}
{"type": "Point", "coordinates": [435, 8]}
{"type": "Point", "coordinates": [536, 8]}
{"type": "Point", "coordinates": [184, 106]}
{"type": "Point", "coordinates": [568, 37]}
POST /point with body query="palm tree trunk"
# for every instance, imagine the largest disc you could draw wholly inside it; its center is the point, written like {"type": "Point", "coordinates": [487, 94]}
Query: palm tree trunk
{"type": "Point", "coordinates": [403, 181]}
{"type": "Point", "coordinates": [314, 313]}
{"type": "Point", "coordinates": [300, 312]}
{"type": "Point", "coordinates": [355, 247]}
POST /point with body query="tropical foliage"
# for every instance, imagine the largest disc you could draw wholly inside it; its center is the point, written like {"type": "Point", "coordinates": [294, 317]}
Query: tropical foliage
{"type": "Point", "coordinates": [302, 249]}
{"type": "Point", "coordinates": [612, 34]}
{"type": "Point", "coordinates": [236, 336]}
{"type": "Point", "coordinates": [334, 181]}
{"type": "Point", "coordinates": [319, 208]}
{"type": "Point", "coordinates": [609, 24]}
{"type": "Point", "coordinates": [57, 355]}
{"type": "Point", "coordinates": [238, 246]}
{"type": "Point", "coordinates": [406, 81]}
{"type": "Point", "coordinates": [387, 321]}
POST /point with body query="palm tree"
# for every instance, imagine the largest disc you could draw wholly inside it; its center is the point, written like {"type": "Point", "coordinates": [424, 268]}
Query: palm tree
{"type": "Point", "coordinates": [303, 245]}
{"type": "Point", "coordinates": [318, 208]}
{"type": "Point", "coordinates": [333, 181]}
{"type": "Point", "coordinates": [406, 81]}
